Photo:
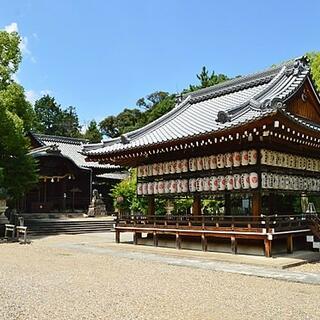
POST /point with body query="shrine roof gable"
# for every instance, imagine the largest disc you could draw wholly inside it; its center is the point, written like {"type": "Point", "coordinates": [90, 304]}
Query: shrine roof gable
{"type": "Point", "coordinates": [226, 105]}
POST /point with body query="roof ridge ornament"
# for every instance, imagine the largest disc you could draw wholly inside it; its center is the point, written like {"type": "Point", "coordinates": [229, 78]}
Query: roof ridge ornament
{"type": "Point", "coordinates": [124, 139]}
{"type": "Point", "coordinates": [54, 148]}
{"type": "Point", "coordinates": [275, 103]}
{"type": "Point", "coordinates": [223, 117]}
{"type": "Point", "coordinates": [300, 64]}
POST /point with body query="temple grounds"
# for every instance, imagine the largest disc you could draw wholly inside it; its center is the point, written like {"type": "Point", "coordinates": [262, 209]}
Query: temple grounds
{"type": "Point", "coordinates": [91, 277]}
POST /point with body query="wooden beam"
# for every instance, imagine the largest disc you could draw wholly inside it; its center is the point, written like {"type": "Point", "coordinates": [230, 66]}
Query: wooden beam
{"type": "Point", "coordinates": [117, 236]}
{"type": "Point", "coordinates": [151, 206]}
{"type": "Point", "coordinates": [178, 241]}
{"type": "Point", "coordinates": [256, 204]}
{"type": "Point", "coordinates": [290, 244]}
{"type": "Point", "coordinates": [196, 205]}
{"type": "Point", "coordinates": [227, 204]}
{"type": "Point", "coordinates": [135, 237]}
{"type": "Point", "coordinates": [204, 242]}
{"type": "Point", "coordinates": [268, 248]}
{"type": "Point", "coordinates": [155, 238]}
{"type": "Point", "coordinates": [271, 203]}
{"type": "Point", "coordinates": [234, 245]}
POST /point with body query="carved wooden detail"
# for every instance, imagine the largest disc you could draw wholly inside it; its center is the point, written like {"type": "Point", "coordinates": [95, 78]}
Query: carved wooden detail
{"type": "Point", "coordinates": [305, 104]}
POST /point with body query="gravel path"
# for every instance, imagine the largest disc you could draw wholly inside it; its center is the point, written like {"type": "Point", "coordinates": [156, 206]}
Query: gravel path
{"type": "Point", "coordinates": [42, 282]}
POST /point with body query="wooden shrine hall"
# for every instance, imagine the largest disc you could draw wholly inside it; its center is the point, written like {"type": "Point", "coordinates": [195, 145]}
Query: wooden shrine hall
{"type": "Point", "coordinates": [252, 142]}
{"type": "Point", "coordinates": [66, 180]}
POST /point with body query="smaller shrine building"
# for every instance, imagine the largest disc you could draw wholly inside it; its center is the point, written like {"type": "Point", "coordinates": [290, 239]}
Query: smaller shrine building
{"type": "Point", "coordinates": [66, 180]}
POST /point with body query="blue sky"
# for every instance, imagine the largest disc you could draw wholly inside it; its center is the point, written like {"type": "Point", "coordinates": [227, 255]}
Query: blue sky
{"type": "Point", "coordinates": [101, 56]}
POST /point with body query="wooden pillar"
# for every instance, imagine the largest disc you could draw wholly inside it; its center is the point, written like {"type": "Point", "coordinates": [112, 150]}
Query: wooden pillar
{"type": "Point", "coordinates": [256, 204]}
{"type": "Point", "coordinates": [136, 236]}
{"type": "Point", "coordinates": [267, 248]}
{"type": "Point", "coordinates": [290, 244]}
{"type": "Point", "coordinates": [151, 206]}
{"type": "Point", "coordinates": [227, 204]}
{"type": "Point", "coordinates": [117, 236]}
{"type": "Point", "coordinates": [155, 239]}
{"type": "Point", "coordinates": [271, 203]}
{"type": "Point", "coordinates": [234, 247]}
{"type": "Point", "coordinates": [196, 205]}
{"type": "Point", "coordinates": [204, 242]}
{"type": "Point", "coordinates": [178, 241]}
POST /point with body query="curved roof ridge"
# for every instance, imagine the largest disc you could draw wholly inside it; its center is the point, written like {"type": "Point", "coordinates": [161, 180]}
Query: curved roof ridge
{"type": "Point", "coordinates": [134, 134]}
{"type": "Point", "coordinates": [247, 79]}
{"type": "Point", "coordinates": [41, 136]}
{"type": "Point", "coordinates": [254, 99]}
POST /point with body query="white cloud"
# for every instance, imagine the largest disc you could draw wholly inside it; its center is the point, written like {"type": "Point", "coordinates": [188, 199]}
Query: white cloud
{"type": "Point", "coordinates": [15, 78]}
{"type": "Point", "coordinates": [44, 92]}
{"type": "Point", "coordinates": [12, 27]}
{"type": "Point", "coordinates": [24, 46]}
{"type": "Point", "coordinates": [33, 95]}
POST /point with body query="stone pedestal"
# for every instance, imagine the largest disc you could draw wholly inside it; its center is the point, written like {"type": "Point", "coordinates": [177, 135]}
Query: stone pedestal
{"type": "Point", "coordinates": [97, 206]}
{"type": "Point", "coordinates": [3, 219]}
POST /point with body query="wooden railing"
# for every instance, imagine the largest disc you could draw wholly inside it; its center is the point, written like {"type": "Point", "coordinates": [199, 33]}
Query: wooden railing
{"type": "Point", "coordinates": [275, 223]}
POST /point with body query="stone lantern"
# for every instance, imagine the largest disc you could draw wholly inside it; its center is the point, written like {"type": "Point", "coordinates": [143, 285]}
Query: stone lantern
{"type": "Point", "coordinates": [3, 207]}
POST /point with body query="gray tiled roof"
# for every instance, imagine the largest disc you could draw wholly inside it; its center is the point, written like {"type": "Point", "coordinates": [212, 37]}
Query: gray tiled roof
{"type": "Point", "coordinates": [114, 175]}
{"type": "Point", "coordinates": [228, 104]}
{"type": "Point", "coordinates": [71, 148]}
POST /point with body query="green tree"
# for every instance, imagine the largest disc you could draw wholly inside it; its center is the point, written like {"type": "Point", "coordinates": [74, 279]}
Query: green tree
{"type": "Point", "coordinates": [126, 190]}
{"type": "Point", "coordinates": [53, 120]}
{"type": "Point", "coordinates": [16, 116]}
{"type": "Point", "coordinates": [93, 133]}
{"type": "Point", "coordinates": [315, 67]}
{"type": "Point", "coordinates": [19, 169]}
{"type": "Point", "coordinates": [69, 126]}
{"type": "Point", "coordinates": [125, 121]}
{"type": "Point", "coordinates": [109, 127]}
{"type": "Point", "coordinates": [49, 115]}
{"type": "Point", "coordinates": [207, 80]}
{"type": "Point", "coordinates": [10, 57]}
{"type": "Point", "coordinates": [13, 97]}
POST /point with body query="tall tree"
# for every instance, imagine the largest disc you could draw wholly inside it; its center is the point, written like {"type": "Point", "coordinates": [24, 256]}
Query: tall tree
{"type": "Point", "coordinates": [48, 113]}
{"type": "Point", "coordinates": [207, 80]}
{"type": "Point", "coordinates": [125, 121]}
{"type": "Point", "coordinates": [53, 120]}
{"type": "Point", "coordinates": [16, 116]}
{"type": "Point", "coordinates": [93, 133]}
{"type": "Point", "coordinates": [10, 57]}
{"type": "Point", "coordinates": [70, 126]}
{"type": "Point", "coordinates": [13, 97]}
{"type": "Point", "coordinates": [19, 169]}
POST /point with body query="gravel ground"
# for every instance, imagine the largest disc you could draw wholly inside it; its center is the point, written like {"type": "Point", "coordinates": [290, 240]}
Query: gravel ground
{"type": "Point", "coordinates": [43, 282]}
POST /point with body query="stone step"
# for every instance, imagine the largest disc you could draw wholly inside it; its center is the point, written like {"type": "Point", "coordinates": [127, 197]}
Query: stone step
{"type": "Point", "coordinates": [68, 226]}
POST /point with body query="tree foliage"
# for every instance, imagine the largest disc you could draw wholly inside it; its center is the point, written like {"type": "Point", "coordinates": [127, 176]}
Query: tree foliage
{"type": "Point", "coordinates": [152, 107]}
{"type": "Point", "coordinates": [125, 121]}
{"type": "Point", "coordinates": [315, 67]}
{"type": "Point", "coordinates": [10, 57]}
{"type": "Point", "coordinates": [126, 190]}
{"type": "Point", "coordinates": [16, 117]}
{"type": "Point", "coordinates": [93, 133]}
{"type": "Point", "coordinates": [13, 97]}
{"type": "Point", "coordinates": [53, 120]}
{"type": "Point", "coordinates": [208, 80]}
{"type": "Point", "coordinates": [19, 172]}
